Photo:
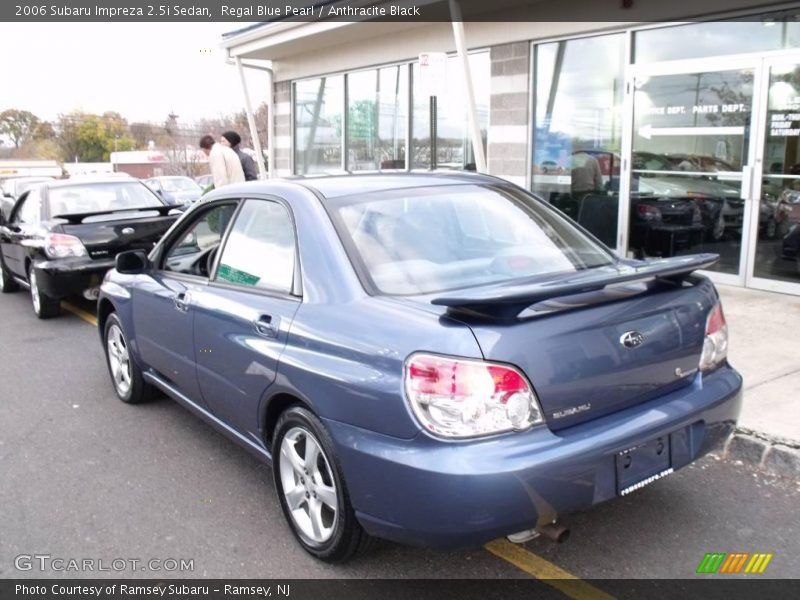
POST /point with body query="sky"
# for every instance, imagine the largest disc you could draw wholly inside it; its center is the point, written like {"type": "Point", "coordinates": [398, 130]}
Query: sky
{"type": "Point", "coordinates": [144, 71]}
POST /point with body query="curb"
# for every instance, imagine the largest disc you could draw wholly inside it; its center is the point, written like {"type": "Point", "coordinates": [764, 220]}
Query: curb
{"type": "Point", "coordinates": [776, 456]}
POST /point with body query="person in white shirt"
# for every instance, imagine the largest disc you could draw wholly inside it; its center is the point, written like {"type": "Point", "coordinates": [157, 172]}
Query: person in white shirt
{"type": "Point", "coordinates": [224, 163]}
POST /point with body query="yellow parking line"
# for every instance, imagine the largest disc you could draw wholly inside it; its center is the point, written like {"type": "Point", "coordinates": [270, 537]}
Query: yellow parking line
{"type": "Point", "coordinates": [549, 573]}
{"type": "Point", "coordinates": [79, 312]}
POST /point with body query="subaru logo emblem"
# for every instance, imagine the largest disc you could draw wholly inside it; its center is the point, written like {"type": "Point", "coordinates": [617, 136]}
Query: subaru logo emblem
{"type": "Point", "coordinates": [128, 231]}
{"type": "Point", "coordinates": [631, 339]}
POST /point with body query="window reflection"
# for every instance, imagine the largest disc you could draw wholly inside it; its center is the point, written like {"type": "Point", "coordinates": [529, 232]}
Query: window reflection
{"type": "Point", "coordinates": [377, 119]}
{"type": "Point", "coordinates": [578, 126]}
{"type": "Point", "coordinates": [778, 247]}
{"type": "Point", "coordinates": [716, 38]}
{"type": "Point", "coordinates": [318, 125]}
{"type": "Point", "coordinates": [453, 140]}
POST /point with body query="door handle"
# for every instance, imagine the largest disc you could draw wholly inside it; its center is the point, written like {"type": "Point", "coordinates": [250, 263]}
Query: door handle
{"type": "Point", "coordinates": [266, 326]}
{"type": "Point", "coordinates": [747, 182]}
{"type": "Point", "coordinates": [182, 300]}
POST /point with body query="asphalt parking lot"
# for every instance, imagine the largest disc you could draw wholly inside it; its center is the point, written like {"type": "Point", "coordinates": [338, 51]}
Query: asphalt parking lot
{"type": "Point", "coordinates": [86, 476]}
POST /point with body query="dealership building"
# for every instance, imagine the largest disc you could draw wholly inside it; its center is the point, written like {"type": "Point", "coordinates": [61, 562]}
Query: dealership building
{"type": "Point", "coordinates": [663, 128]}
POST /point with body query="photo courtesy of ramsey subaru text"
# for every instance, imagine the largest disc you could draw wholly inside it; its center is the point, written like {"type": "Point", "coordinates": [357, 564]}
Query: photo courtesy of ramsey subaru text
{"type": "Point", "coordinates": [61, 236]}
{"type": "Point", "coordinates": [434, 359]}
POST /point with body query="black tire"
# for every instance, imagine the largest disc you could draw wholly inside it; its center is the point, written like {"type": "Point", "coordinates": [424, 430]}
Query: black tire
{"type": "Point", "coordinates": [130, 388]}
{"type": "Point", "coordinates": [44, 306]}
{"type": "Point", "coordinates": [346, 537]}
{"type": "Point", "coordinates": [7, 283]}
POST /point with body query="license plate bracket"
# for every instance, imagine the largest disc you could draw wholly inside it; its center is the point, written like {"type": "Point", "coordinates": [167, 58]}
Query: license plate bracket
{"type": "Point", "coordinates": [643, 464]}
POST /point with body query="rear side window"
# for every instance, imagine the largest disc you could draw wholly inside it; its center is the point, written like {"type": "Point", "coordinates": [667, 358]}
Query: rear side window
{"type": "Point", "coordinates": [260, 249]}
{"type": "Point", "coordinates": [426, 240]}
{"type": "Point", "coordinates": [30, 211]}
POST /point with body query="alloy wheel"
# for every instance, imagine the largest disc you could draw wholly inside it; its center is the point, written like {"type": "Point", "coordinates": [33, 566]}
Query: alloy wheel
{"type": "Point", "coordinates": [119, 360]}
{"type": "Point", "coordinates": [308, 485]}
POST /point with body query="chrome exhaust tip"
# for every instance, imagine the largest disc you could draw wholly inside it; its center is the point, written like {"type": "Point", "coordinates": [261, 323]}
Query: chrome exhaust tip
{"type": "Point", "coordinates": [92, 293]}
{"type": "Point", "coordinates": [523, 536]}
{"type": "Point", "coordinates": [555, 532]}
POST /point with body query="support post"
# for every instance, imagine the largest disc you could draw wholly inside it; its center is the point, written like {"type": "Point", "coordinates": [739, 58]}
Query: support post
{"type": "Point", "coordinates": [252, 121]}
{"type": "Point", "coordinates": [472, 112]}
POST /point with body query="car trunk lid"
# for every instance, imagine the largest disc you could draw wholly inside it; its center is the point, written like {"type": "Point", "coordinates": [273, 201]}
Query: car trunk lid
{"type": "Point", "coordinates": [592, 352]}
{"type": "Point", "coordinates": [106, 234]}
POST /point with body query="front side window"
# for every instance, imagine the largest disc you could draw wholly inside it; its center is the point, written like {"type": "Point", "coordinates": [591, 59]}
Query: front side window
{"type": "Point", "coordinates": [449, 237]}
{"type": "Point", "coordinates": [260, 250]}
{"type": "Point", "coordinates": [194, 251]}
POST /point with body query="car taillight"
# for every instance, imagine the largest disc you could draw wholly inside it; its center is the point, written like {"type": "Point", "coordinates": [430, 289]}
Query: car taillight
{"type": "Point", "coordinates": [466, 398]}
{"type": "Point", "coordinates": [648, 213]}
{"type": "Point", "coordinates": [715, 346]}
{"type": "Point", "coordinates": [61, 245]}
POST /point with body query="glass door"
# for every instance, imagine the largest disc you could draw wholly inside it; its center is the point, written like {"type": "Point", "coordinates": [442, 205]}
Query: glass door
{"type": "Point", "coordinates": [691, 159]}
{"type": "Point", "coordinates": [774, 256]}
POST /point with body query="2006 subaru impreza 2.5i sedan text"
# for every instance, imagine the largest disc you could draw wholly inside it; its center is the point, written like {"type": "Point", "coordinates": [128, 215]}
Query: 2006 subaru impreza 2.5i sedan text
{"type": "Point", "coordinates": [438, 360]}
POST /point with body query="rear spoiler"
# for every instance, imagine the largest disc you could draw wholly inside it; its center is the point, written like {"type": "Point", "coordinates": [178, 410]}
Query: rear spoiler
{"type": "Point", "coordinates": [75, 219]}
{"type": "Point", "coordinates": [507, 301]}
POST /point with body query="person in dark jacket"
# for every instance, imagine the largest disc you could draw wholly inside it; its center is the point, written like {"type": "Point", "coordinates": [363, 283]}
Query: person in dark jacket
{"type": "Point", "coordinates": [248, 164]}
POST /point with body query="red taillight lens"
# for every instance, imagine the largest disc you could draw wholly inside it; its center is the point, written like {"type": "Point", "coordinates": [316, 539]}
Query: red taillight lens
{"type": "Point", "coordinates": [716, 320]}
{"type": "Point", "coordinates": [715, 345]}
{"type": "Point", "coordinates": [465, 398]}
{"type": "Point", "coordinates": [648, 213]}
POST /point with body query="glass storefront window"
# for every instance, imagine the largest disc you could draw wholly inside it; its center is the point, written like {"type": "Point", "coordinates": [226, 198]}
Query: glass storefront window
{"type": "Point", "coordinates": [690, 142]}
{"type": "Point", "coordinates": [318, 125]}
{"type": "Point", "coordinates": [773, 31]}
{"type": "Point", "coordinates": [578, 129]}
{"type": "Point", "coordinates": [453, 141]}
{"type": "Point", "coordinates": [778, 245]}
{"type": "Point", "coordinates": [377, 119]}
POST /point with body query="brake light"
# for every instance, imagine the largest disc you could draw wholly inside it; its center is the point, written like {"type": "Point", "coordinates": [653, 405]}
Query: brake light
{"type": "Point", "coordinates": [648, 213]}
{"type": "Point", "coordinates": [466, 398]}
{"type": "Point", "coordinates": [61, 245]}
{"type": "Point", "coordinates": [715, 346]}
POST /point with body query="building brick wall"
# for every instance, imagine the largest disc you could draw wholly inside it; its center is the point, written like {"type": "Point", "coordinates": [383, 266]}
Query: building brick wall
{"type": "Point", "coordinates": [282, 143]}
{"type": "Point", "coordinates": [509, 112]}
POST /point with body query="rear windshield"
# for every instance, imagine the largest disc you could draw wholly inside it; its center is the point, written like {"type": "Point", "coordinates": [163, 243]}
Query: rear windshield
{"type": "Point", "coordinates": [179, 184]}
{"type": "Point", "coordinates": [98, 197]}
{"type": "Point", "coordinates": [425, 240]}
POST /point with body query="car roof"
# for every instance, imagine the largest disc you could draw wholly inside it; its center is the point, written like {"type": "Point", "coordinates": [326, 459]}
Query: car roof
{"type": "Point", "coordinates": [89, 180]}
{"type": "Point", "coordinates": [347, 185]}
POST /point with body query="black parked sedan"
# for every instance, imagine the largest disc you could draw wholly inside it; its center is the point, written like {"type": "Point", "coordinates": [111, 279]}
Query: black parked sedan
{"type": "Point", "coordinates": [62, 236]}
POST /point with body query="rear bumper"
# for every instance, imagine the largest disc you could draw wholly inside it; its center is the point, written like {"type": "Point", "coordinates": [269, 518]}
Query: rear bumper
{"type": "Point", "coordinates": [430, 492]}
{"type": "Point", "coordinates": [70, 276]}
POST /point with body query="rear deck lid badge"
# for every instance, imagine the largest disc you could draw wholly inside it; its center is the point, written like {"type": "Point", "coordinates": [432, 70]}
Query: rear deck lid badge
{"type": "Point", "coordinates": [631, 339]}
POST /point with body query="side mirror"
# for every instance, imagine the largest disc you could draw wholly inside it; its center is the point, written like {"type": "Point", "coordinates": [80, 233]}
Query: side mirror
{"type": "Point", "coordinates": [132, 262]}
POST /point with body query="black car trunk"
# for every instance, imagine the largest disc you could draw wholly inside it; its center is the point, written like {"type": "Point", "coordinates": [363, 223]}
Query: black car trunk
{"type": "Point", "coordinates": [106, 235]}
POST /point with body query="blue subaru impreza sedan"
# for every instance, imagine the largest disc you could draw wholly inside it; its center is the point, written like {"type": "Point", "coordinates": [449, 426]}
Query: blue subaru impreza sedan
{"type": "Point", "coordinates": [434, 359]}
